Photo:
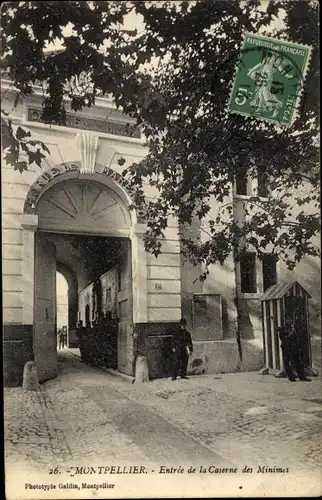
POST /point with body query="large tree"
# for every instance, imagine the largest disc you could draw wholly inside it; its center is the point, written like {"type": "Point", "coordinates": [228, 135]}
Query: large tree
{"type": "Point", "coordinates": [175, 77]}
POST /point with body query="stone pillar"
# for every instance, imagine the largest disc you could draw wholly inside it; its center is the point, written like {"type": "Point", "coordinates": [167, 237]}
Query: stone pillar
{"type": "Point", "coordinates": [139, 297]}
{"type": "Point", "coordinates": [18, 337]}
{"type": "Point", "coordinates": [139, 275]}
{"type": "Point", "coordinates": [29, 223]}
{"type": "Point", "coordinates": [72, 306]}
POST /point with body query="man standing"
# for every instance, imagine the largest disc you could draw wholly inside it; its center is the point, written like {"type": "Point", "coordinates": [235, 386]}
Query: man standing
{"type": "Point", "coordinates": [292, 353]}
{"type": "Point", "coordinates": [61, 339]}
{"type": "Point", "coordinates": [181, 348]}
{"type": "Point", "coordinates": [65, 335]}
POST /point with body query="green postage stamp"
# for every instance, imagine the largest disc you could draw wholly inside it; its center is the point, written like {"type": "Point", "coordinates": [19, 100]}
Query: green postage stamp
{"type": "Point", "coordinates": [269, 79]}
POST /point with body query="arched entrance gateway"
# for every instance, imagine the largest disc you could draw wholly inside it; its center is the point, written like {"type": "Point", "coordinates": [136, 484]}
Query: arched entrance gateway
{"type": "Point", "coordinates": [81, 223]}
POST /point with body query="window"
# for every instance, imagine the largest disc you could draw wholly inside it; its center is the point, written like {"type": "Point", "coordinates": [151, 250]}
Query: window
{"type": "Point", "coordinates": [123, 309]}
{"type": "Point", "coordinates": [248, 273]}
{"type": "Point", "coordinates": [108, 294]}
{"type": "Point", "coordinates": [119, 279]}
{"type": "Point", "coordinates": [87, 315]}
{"type": "Point", "coordinates": [262, 184]}
{"type": "Point", "coordinates": [241, 181]}
{"type": "Point", "coordinates": [269, 271]}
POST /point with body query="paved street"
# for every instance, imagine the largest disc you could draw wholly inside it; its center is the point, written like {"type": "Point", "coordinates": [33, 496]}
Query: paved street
{"type": "Point", "coordinates": [88, 417]}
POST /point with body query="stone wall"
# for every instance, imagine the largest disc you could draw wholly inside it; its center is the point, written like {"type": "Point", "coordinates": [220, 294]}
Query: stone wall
{"type": "Point", "coordinates": [153, 340]}
{"type": "Point", "coordinates": [224, 357]}
{"type": "Point", "coordinates": [17, 350]}
{"type": "Point", "coordinates": [163, 280]}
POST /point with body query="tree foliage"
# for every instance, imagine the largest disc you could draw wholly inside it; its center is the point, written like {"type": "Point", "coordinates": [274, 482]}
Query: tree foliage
{"type": "Point", "coordinates": [175, 77]}
{"type": "Point", "coordinates": [20, 149]}
{"type": "Point", "coordinates": [197, 153]}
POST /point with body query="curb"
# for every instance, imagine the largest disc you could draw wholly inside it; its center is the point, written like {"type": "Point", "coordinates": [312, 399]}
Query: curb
{"type": "Point", "coordinates": [127, 378]}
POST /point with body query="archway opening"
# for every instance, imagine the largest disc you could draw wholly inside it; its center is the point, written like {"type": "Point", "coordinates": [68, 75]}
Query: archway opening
{"type": "Point", "coordinates": [62, 308]}
{"type": "Point", "coordinates": [83, 233]}
{"type": "Point", "coordinates": [93, 285]}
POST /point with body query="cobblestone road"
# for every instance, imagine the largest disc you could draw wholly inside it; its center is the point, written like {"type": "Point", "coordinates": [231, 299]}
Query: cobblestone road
{"type": "Point", "coordinates": [86, 416]}
{"type": "Point", "coordinates": [260, 427]}
{"type": "Point", "coordinates": [82, 415]}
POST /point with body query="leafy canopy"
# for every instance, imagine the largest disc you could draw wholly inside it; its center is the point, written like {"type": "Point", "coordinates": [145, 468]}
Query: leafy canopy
{"type": "Point", "coordinates": [174, 77]}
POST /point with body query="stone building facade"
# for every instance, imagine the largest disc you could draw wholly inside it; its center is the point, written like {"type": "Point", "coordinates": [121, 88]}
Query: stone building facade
{"type": "Point", "coordinates": [79, 193]}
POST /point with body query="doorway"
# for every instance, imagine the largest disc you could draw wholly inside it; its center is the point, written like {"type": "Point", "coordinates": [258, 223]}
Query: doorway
{"type": "Point", "coordinates": [94, 285]}
{"type": "Point", "coordinates": [87, 314]}
{"type": "Point", "coordinates": [62, 310]}
{"type": "Point", "coordinates": [83, 232]}
{"type": "Point", "coordinates": [296, 312]}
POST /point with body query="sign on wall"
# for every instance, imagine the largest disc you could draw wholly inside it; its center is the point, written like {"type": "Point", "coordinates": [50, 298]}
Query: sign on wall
{"type": "Point", "coordinates": [63, 168]}
{"type": "Point", "coordinates": [104, 126]}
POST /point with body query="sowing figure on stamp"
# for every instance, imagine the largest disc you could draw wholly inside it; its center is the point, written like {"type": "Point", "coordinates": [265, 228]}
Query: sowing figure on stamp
{"type": "Point", "coordinates": [263, 74]}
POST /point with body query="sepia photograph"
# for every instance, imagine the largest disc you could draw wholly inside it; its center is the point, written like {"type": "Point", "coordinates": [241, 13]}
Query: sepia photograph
{"type": "Point", "coordinates": [160, 191]}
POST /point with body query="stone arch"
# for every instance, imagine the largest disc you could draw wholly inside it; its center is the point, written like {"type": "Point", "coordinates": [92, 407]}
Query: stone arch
{"type": "Point", "coordinates": [112, 180]}
{"type": "Point", "coordinates": [71, 170]}
{"type": "Point", "coordinates": [76, 205]}
{"type": "Point", "coordinates": [72, 282]}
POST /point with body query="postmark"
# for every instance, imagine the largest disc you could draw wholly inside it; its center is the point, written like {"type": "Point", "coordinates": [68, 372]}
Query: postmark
{"type": "Point", "coordinates": [269, 79]}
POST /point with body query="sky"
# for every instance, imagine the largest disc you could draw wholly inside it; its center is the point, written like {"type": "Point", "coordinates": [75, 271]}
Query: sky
{"type": "Point", "coordinates": [133, 21]}
{"type": "Point", "coordinates": [61, 284]}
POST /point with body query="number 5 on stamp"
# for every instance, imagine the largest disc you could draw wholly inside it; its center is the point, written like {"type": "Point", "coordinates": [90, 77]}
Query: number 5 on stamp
{"type": "Point", "coordinates": [269, 79]}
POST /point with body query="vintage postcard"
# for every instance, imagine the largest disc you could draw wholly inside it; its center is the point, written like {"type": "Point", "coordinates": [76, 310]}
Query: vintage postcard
{"type": "Point", "coordinates": [161, 249]}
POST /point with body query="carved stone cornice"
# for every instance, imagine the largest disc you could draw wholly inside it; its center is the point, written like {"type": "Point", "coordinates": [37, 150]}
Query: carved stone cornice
{"type": "Point", "coordinates": [29, 222]}
{"type": "Point", "coordinates": [88, 123]}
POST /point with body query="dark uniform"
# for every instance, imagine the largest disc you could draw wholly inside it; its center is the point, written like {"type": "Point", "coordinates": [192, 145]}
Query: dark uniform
{"type": "Point", "coordinates": [65, 335]}
{"type": "Point", "coordinates": [61, 339]}
{"type": "Point", "coordinates": [181, 344]}
{"type": "Point", "coordinates": [292, 354]}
